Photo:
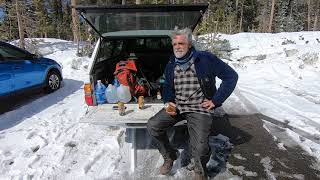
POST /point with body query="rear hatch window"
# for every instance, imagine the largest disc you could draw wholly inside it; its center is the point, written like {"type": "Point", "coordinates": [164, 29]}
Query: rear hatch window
{"type": "Point", "coordinates": [142, 17]}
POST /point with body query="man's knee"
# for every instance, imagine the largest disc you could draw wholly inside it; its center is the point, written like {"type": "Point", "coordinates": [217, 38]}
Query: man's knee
{"type": "Point", "coordinates": [154, 125]}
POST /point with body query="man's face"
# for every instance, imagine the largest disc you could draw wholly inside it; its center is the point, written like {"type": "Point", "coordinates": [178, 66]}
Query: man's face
{"type": "Point", "coordinates": [180, 45]}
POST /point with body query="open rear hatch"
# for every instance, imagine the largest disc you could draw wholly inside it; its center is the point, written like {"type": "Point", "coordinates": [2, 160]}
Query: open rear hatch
{"type": "Point", "coordinates": [132, 18]}
{"type": "Point", "coordinates": [104, 19]}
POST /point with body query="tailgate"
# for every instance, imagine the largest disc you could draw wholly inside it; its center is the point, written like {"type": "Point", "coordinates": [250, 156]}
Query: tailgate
{"type": "Point", "coordinates": [105, 115]}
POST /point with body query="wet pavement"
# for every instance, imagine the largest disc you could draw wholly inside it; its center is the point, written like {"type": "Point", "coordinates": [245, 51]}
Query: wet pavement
{"type": "Point", "coordinates": [268, 155]}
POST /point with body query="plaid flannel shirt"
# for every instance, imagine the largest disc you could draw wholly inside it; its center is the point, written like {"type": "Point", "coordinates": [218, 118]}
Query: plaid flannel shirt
{"type": "Point", "coordinates": [189, 95]}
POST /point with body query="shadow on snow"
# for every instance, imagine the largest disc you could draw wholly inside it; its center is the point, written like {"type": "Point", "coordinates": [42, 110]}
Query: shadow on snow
{"type": "Point", "coordinates": [14, 109]}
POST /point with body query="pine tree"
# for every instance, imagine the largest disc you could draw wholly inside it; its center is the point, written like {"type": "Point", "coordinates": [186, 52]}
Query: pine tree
{"type": "Point", "coordinates": [67, 21]}
{"type": "Point", "coordinates": [56, 17]}
{"type": "Point", "coordinates": [21, 26]}
{"type": "Point", "coordinates": [9, 25]}
{"type": "Point", "coordinates": [75, 24]}
{"type": "Point", "coordinates": [263, 15]}
{"type": "Point", "coordinates": [25, 19]}
{"type": "Point", "coordinates": [42, 18]}
{"type": "Point", "coordinates": [290, 16]}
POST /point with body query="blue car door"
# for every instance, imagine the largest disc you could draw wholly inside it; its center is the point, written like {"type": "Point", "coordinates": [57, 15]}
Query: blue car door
{"type": "Point", "coordinates": [27, 72]}
{"type": "Point", "coordinates": [24, 68]}
{"type": "Point", "coordinates": [6, 77]}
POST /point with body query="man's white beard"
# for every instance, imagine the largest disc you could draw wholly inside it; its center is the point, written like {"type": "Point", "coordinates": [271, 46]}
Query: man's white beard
{"type": "Point", "coordinates": [179, 54]}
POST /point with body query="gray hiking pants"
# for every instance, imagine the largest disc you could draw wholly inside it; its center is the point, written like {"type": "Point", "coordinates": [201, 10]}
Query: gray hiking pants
{"type": "Point", "coordinates": [199, 128]}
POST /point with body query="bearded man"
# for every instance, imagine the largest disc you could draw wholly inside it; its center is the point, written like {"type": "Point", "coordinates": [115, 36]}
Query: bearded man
{"type": "Point", "coordinates": [190, 93]}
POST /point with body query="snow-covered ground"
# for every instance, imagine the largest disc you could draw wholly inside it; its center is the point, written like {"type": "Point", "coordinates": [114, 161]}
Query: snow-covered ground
{"type": "Point", "coordinates": [278, 77]}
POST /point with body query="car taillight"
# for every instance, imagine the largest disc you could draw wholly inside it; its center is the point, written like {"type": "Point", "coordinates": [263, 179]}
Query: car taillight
{"type": "Point", "coordinates": [87, 89]}
{"type": "Point", "coordinates": [88, 94]}
{"type": "Point", "coordinates": [88, 100]}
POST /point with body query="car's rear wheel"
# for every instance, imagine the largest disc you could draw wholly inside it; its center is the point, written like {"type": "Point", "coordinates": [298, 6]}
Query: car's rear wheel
{"type": "Point", "coordinates": [53, 81]}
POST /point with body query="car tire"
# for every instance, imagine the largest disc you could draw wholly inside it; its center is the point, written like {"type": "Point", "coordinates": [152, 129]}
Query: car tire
{"type": "Point", "coordinates": [53, 81]}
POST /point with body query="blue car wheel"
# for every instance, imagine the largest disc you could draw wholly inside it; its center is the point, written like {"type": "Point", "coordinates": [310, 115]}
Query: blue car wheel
{"type": "Point", "coordinates": [53, 81]}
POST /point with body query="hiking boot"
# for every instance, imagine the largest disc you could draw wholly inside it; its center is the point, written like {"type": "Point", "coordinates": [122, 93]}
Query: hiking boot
{"type": "Point", "coordinates": [168, 162]}
{"type": "Point", "coordinates": [197, 175]}
{"type": "Point", "coordinates": [191, 165]}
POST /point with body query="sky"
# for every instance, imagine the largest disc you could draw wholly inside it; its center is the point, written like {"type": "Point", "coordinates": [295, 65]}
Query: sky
{"type": "Point", "coordinates": [46, 139]}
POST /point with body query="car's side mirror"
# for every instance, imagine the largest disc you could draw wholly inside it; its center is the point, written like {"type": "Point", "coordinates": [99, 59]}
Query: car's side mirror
{"type": "Point", "coordinates": [36, 56]}
{"type": "Point", "coordinates": [33, 56]}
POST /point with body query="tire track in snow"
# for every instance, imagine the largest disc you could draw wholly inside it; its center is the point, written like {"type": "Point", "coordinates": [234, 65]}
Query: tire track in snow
{"type": "Point", "coordinates": [278, 103]}
{"type": "Point", "coordinates": [295, 75]}
{"type": "Point", "coordinates": [308, 96]}
{"type": "Point", "coordinates": [249, 104]}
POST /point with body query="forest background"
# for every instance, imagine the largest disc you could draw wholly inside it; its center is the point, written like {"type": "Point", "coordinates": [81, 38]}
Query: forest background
{"type": "Point", "coordinates": [20, 19]}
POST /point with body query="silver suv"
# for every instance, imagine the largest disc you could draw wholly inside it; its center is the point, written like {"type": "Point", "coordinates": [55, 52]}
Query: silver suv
{"type": "Point", "coordinates": [140, 29]}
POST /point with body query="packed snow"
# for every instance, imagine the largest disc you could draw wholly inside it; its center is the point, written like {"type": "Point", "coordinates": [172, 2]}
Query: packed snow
{"type": "Point", "coordinates": [45, 139]}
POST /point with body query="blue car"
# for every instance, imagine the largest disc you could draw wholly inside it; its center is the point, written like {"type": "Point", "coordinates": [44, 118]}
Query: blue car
{"type": "Point", "coordinates": [21, 70]}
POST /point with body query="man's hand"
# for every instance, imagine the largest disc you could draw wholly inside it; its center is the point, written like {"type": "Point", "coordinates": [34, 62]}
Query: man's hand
{"type": "Point", "coordinates": [207, 104]}
{"type": "Point", "coordinates": [170, 110]}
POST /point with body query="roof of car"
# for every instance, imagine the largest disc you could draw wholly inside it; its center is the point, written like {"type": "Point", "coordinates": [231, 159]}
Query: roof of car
{"type": "Point", "coordinates": [13, 46]}
{"type": "Point", "coordinates": [4, 43]}
{"type": "Point", "coordinates": [139, 33]}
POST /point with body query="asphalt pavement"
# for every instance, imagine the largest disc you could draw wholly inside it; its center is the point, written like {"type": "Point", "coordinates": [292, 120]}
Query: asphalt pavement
{"type": "Point", "coordinates": [265, 154]}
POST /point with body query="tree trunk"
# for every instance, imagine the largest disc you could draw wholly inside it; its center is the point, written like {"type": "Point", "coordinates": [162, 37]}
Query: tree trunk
{"type": "Point", "coordinates": [10, 30]}
{"type": "Point", "coordinates": [123, 2]}
{"type": "Point", "coordinates": [309, 16]}
{"type": "Point", "coordinates": [216, 27]}
{"type": "Point", "coordinates": [265, 20]}
{"type": "Point", "coordinates": [271, 16]}
{"type": "Point", "coordinates": [20, 27]}
{"type": "Point", "coordinates": [75, 21]}
{"type": "Point", "coordinates": [237, 3]}
{"type": "Point", "coordinates": [315, 21]}
{"type": "Point", "coordinates": [58, 31]}
{"type": "Point", "coordinates": [290, 16]}
{"type": "Point", "coordinates": [241, 17]}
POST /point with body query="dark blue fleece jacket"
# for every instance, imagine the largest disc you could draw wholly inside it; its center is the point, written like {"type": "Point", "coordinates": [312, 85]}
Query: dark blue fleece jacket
{"type": "Point", "coordinates": [206, 65]}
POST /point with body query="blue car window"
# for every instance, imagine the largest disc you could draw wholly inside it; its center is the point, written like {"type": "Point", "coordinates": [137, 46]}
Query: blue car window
{"type": "Point", "coordinates": [11, 53]}
{"type": "Point", "coordinates": [1, 57]}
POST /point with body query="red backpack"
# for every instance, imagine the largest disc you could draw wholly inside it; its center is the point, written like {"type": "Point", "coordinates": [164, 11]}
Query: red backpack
{"type": "Point", "coordinates": [126, 73]}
